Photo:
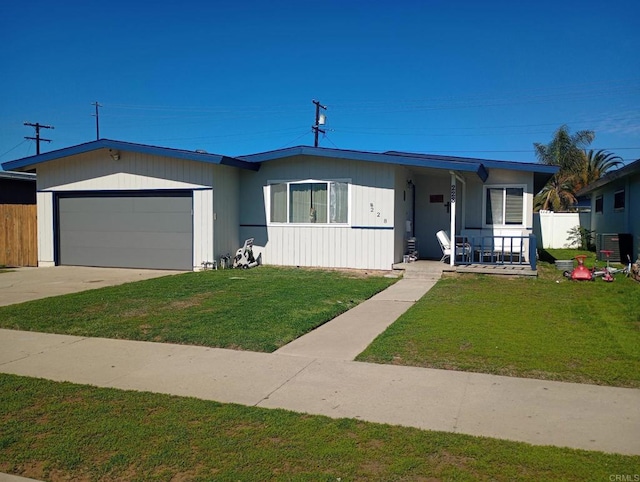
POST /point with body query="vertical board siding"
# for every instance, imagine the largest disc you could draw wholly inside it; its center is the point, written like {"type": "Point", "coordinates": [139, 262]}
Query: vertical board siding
{"type": "Point", "coordinates": [202, 227]}
{"type": "Point", "coordinates": [45, 229]}
{"type": "Point", "coordinates": [18, 235]}
{"type": "Point", "coordinates": [215, 187]}
{"type": "Point", "coordinates": [96, 171]}
{"type": "Point", "coordinates": [402, 199]}
{"type": "Point", "coordinates": [226, 225]}
{"type": "Point", "coordinates": [367, 243]}
{"type": "Point", "coordinates": [329, 247]}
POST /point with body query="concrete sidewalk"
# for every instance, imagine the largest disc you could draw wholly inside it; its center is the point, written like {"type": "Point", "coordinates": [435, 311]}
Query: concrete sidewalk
{"type": "Point", "coordinates": [315, 374]}
{"type": "Point", "coordinates": [347, 335]}
{"type": "Point", "coordinates": [535, 411]}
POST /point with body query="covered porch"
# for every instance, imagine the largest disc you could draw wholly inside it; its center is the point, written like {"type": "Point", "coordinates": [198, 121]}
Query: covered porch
{"type": "Point", "coordinates": [483, 208]}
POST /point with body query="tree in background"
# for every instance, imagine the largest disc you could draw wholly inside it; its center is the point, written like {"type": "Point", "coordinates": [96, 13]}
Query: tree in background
{"type": "Point", "coordinates": [565, 150]}
{"type": "Point", "coordinates": [557, 194]}
{"type": "Point", "coordinates": [578, 167]}
{"type": "Point", "coordinates": [593, 166]}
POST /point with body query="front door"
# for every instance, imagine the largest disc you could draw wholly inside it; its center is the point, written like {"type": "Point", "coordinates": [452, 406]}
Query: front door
{"type": "Point", "coordinates": [432, 212]}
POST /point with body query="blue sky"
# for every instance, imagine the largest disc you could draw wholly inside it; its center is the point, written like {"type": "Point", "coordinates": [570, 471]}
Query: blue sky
{"type": "Point", "coordinates": [467, 78]}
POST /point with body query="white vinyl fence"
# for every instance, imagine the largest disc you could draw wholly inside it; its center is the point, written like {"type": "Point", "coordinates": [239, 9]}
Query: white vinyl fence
{"type": "Point", "coordinates": [552, 229]}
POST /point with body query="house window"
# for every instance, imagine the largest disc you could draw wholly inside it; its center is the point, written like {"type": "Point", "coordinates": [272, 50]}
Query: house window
{"type": "Point", "coordinates": [599, 204]}
{"type": "Point", "coordinates": [504, 206]}
{"type": "Point", "coordinates": [618, 200]}
{"type": "Point", "coordinates": [309, 202]}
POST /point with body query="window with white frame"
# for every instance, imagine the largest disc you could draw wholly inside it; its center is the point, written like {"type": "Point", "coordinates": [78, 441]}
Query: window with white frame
{"type": "Point", "coordinates": [504, 206]}
{"type": "Point", "coordinates": [304, 202]}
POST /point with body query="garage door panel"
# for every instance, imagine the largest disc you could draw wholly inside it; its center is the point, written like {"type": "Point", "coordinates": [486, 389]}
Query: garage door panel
{"type": "Point", "coordinates": [78, 239]}
{"type": "Point", "coordinates": [96, 205]}
{"type": "Point", "coordinates": [126, 222]}
{"type": "Point", "coordinates": [138, 258]}
{"type": "Point", "coordinates": [162, 205]}
{"type": "Point", "coordinates": [126, 231]}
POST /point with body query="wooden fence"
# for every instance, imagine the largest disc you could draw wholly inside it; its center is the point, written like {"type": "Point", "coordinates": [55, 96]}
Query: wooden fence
{"type": "Point", "coordinates": [18, 235]}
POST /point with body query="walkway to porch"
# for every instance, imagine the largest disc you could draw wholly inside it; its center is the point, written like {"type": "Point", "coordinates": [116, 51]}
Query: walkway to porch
{"type": "Point", "coordinates": [432, 270]}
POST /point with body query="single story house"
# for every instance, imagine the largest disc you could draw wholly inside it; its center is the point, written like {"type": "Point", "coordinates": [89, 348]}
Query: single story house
{"type": "Point", "coordinates": [120, 204]}
{"type": "Point", "coordinates": [615, 210]}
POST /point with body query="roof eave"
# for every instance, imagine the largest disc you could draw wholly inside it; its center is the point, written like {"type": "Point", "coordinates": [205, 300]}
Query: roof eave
{"type": "Point", "coordinates": [610, 177]}
{"type": "Point", "coordinates": [18, 176]}
{"type": "Point", "coordinates": [30, 162]}
{"type": "Point", "coordinates": [405, 160]}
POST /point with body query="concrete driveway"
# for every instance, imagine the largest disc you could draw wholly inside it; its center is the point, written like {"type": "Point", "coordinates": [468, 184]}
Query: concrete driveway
{"type": "Point", "coordinates": [26, 284]}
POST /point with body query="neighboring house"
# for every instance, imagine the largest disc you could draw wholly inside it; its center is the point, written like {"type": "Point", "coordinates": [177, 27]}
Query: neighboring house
{"type": "Point", "coordinates": [18, 228]}
{"type": "Point", "coordinates": [615, 207]}
{"type": "Point", "coordinates": [113, 203]}
{"type": "Point", "coordinates": [17, 188]}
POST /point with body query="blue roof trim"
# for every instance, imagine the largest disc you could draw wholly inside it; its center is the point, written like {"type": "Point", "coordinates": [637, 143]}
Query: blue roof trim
{"type": "Point", "coordinates": [454, 164]}
{"type": "Point", "coordinates": [488, 163]}
{"type": "Point", "coordinates": [28, 162]}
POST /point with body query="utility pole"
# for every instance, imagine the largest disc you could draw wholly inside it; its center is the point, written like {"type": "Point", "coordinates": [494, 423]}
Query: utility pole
{"type": "Point", "coordinates": [37, 138]}
{"type": "Point", "coordinates": [320, 120]}
{"type": "Point", "coordinates": [97, 116]}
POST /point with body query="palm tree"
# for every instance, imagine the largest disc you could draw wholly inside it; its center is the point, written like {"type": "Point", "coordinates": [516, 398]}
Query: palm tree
{"type": "Point", "coordinates": [557, 195]}
{"type": "Point", "coordinates": [593, 166]}
{"type": "Point", "coordinates": [565, 149]}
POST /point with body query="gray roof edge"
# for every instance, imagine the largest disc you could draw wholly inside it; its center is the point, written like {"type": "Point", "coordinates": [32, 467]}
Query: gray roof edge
{"type": "Point", "coordinates": [28, 162]}
{"type": "Point", "coordinates": [610, 177]}
{"type": "Point", "coordinates": [20, 176]}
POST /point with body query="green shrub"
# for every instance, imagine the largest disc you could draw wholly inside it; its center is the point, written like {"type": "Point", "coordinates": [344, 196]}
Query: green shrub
{"type": "Point", "coordinates": [581, 238]}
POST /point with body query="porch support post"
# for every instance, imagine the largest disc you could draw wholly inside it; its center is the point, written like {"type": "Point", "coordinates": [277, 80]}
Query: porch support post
{"type": "Point", "coordinates": [452, 211]}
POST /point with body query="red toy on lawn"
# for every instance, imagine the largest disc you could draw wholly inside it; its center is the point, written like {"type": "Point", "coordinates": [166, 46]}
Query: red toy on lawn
{"type": "Point", "coordinates": [581, 272]}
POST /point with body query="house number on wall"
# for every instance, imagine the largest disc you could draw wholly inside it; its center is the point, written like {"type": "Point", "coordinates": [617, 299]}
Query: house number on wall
{"type": "Point", "coordinates": [453, 193]}
{"type": "Point", "coordinates": [372, 210]}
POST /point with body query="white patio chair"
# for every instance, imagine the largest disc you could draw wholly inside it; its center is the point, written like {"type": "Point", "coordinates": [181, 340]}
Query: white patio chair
{"type": "Point", "coordinates": [463, 250]}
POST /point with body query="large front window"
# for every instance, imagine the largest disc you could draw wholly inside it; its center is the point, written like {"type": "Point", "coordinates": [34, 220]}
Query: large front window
{"type": "Point", "coordinates": [504, 206]}
{"type": "Point", "coordinates": [306, 202]}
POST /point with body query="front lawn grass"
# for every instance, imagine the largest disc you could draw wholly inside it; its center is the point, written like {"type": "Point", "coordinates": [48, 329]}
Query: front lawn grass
{"type": "Point", "coordinates": [567, 253]}
{"type": "Point", "coordinates": [549, 328]}
{"type": "Point", "coordinates": [260, 309]}
{"type": "Point", "coordinates": [62, 431]}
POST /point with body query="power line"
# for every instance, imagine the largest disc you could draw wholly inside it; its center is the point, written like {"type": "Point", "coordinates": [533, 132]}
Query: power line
{"type": "Point", "coordinates": [291, 142]}
{"type": "Point", "coordinates": [329, 139]}
{"type": "Point", "coordinates": [13, 148]}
